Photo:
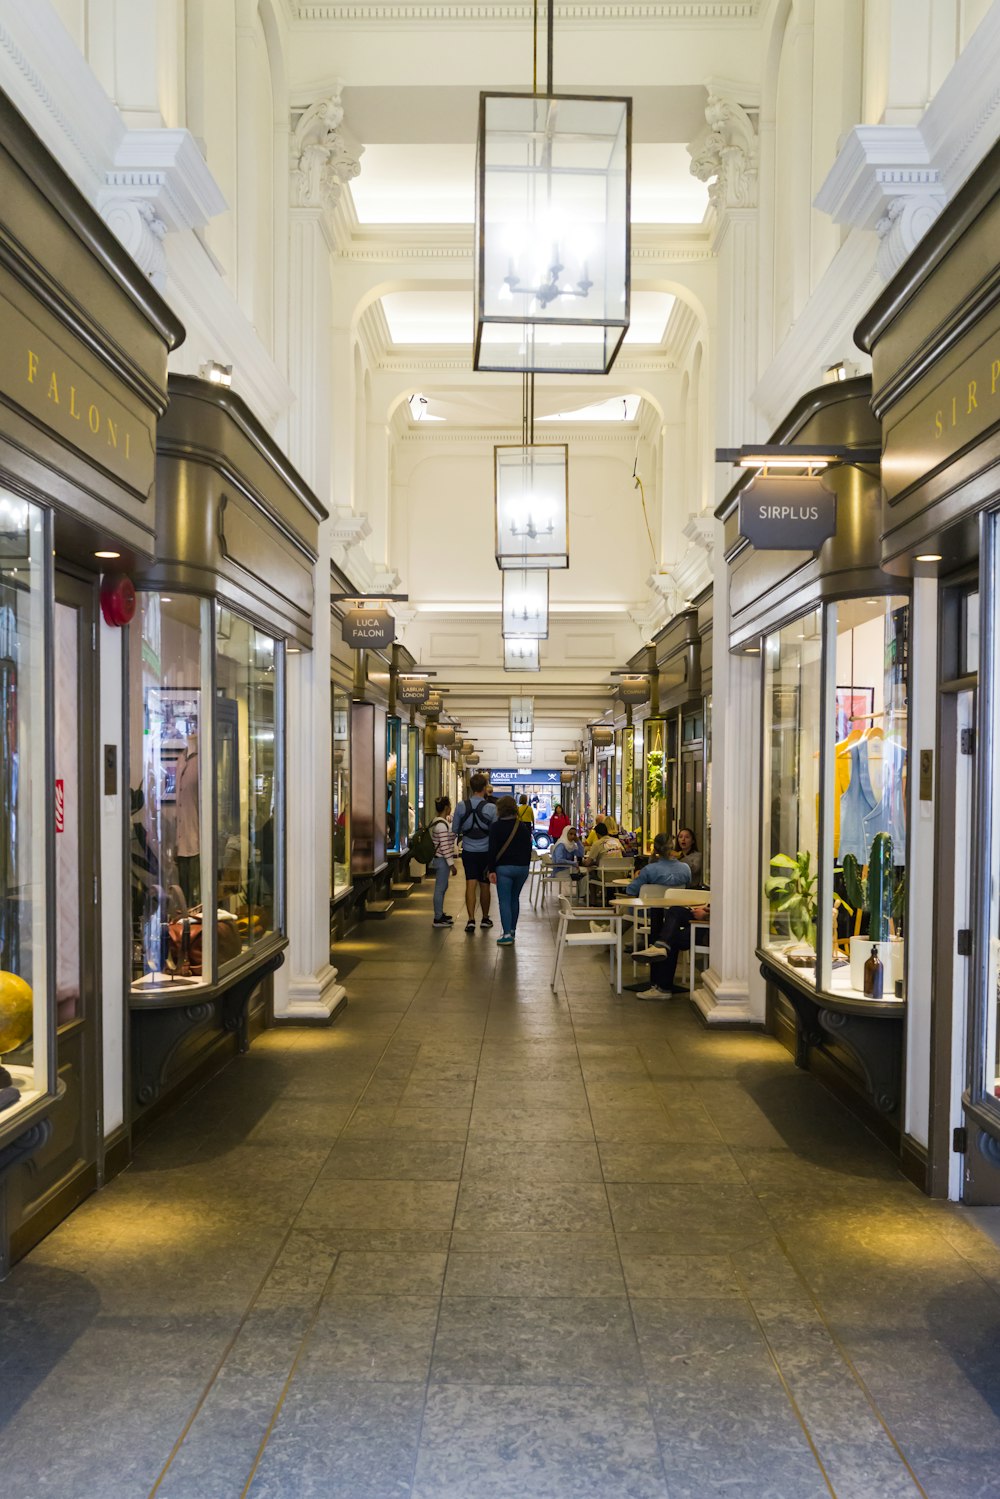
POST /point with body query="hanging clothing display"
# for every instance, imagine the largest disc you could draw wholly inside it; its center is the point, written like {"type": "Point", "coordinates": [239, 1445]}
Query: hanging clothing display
{"type": "Point", "coordinates": [889, 814]}
{"type": "Point", "coordinates": [856, 803]}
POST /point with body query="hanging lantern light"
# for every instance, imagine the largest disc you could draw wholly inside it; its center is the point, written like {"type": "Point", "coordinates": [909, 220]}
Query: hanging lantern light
{"type": "Point", "coordinates": [521, 655]}
{"type": "Point", "coordinates": [531, 505]}
{"type": "Point", "coordinates": [521, 713]}
{"type": "Point", "coordinates": [552, 231]}
{"type": "Point", "coordinates": [526, 604]}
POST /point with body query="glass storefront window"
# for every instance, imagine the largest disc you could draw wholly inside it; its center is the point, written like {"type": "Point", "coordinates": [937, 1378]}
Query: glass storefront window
{"type": "Point", "coordinates": [618, 805]}
{"type": "Point", "coordinates": [827, 905]}
{"type": "Point", "coordinates": [638, 801]}
{"type": "Point", "coordinates": [341, 709]}
{"type": "Point", "coordinates": [24, 809]}
{"type": "Point", "coordinates": [169, 839]}
{"type": "Point", "coordinates": [415, 778]}
{"type": "Point", "coordinates": [792, 698]}
{"type": "Point", "coordinates": [405, 819]}
{"type": "Point", "coordinates": [248, 721]}
{"type": "Point", "coordinates": [392, 784]}
{"type": "Point", "coordinates": [869, 754]}
{"type": "Point", "coordinates": [659, 776]}
{"type": "Point", "coordinates": [626, 817]}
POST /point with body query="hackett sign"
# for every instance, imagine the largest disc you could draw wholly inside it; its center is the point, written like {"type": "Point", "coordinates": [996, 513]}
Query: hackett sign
{"type": "Point", "coordinates": [368, 629]}
{"type": "Point", "coordinates": [789, 513]}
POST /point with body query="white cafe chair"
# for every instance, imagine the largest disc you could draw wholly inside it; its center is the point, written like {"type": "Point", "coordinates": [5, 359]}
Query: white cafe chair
{"type": "Point", "coordinates": [608, 935]}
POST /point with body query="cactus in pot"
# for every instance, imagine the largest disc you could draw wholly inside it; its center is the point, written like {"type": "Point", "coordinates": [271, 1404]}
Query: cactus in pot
{"type": "Point", "coordinates": [880, 887]}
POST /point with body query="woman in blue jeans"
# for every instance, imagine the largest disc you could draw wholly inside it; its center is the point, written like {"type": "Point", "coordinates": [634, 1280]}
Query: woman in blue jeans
{"type": "Point", "coordinates": [508, 863]}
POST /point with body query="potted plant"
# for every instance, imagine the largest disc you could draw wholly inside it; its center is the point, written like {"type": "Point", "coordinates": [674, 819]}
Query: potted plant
{"type": "Point", "coordinates": [792, 895]}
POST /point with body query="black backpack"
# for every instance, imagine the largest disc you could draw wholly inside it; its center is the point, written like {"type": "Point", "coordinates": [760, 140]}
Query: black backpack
{"type": "Point", "coordinates": [477, 828]}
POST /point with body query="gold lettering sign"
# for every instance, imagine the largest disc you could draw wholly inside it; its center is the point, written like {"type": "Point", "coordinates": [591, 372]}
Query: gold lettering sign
{"type": "Point", "coordinates": [960, 407]}
{"type": "Point", "coordinates": [40, 377]}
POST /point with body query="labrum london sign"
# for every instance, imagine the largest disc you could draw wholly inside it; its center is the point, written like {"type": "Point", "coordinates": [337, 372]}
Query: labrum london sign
{"type": "Point", "coordinates": [787, 513]}
{"type": "Point", "coordinates": [368, 628]}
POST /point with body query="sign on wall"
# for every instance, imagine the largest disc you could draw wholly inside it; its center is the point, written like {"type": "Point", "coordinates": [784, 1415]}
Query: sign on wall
{"type": "Point", "coordinates": [369, 628]}
{"type": "Point", "coordinates": [414, 690]}
{"type": "Point", "coordinates": [524, 775]}
{"type": "Point", "coordinates": [787, 513]}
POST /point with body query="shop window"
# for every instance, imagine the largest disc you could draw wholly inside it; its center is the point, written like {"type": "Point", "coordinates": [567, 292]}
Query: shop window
{"type": "Point", "coordinates": [393, 784]}
{"type": "Point", "coordinates": [341, 708]}
{"type": "Point", "coordinates": [24, 809]}
{"type": "Point", "coordinates": [868, 812]}
{"type": "Point", "coordinates": [248, 719]}
{"type": "Point", "coordinates": [792, 697]}
{"type": "Point", "coordinates": [660, 778]}
{"type": "Point", "coordinates": [414, 779]}
{"type": "Point", "coordinates": [834, 814]}
{"type": "Point", "coordinates": [169, 841]}
{"type": "Point", "coordinates": [969, 644]}
{"type": "Point", "coordinates": [405, 818]}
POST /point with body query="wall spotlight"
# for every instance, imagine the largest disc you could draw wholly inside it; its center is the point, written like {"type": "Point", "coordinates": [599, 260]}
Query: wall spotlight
{"type": "Point", "coordinates": [216, 373]}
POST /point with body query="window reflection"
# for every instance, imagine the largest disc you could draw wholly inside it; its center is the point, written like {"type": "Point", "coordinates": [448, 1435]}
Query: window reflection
{"type": "Point", "coordinates": [168, 830]}
{"type": "Point", "coordinates": [23, 806]}
{"type": "Point", "coordinates": [246, 707]}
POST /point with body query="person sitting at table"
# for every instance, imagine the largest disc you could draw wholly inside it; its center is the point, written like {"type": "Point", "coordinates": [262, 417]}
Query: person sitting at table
{"type": "Point", "coordinates": [664, 868]}
{"type": "Point", "coordinates": [567, 852]}
{"type": "Point", "coordinates": [610, 826]}
{"type": "Point", "coordinates": [674, 938]}
{"type": "Point", "coordinates": [605, 846]}
{"type": "Point", "coordinates": [686, 848]}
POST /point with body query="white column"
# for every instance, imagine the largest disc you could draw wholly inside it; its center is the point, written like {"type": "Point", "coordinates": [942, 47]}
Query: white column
{"type": "Point", "coordinates": [732, 991]}
{"type": "Point", "coordinates": [306, 987]}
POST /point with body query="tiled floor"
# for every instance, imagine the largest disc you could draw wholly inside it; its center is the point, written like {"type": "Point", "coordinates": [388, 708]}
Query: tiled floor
{"type": "Point", "coordinates": [479, 1241]}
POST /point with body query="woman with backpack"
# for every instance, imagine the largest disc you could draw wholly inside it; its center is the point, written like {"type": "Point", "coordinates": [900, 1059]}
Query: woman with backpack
{"type": "Point", "coordinates": [444, 857]}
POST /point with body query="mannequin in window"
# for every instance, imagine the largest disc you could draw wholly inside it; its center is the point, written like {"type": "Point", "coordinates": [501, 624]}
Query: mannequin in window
{"type": "Point", "coordinates": [188, 823]}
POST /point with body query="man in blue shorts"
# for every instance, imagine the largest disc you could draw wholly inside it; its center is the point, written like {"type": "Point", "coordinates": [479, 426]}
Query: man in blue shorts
{"type": "Point", "coordinates": [471, 823]}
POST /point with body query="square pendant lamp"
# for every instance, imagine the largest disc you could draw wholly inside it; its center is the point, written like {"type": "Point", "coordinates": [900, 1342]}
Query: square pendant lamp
{"type": "Point", "coordinates": [552, 232]}
{"type": "Point", "coordinates": [521, 714]}
{"type": "Point", "coordinates": [526, 603]}
{"type": "Point", "coordinates": [531, 505]}
{"type": "Point", "coordinates": [521, 655]}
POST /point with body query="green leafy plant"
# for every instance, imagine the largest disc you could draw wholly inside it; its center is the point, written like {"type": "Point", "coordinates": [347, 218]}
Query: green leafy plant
{"type": "Point", "coordinates": [654, 775]}
{"type": "Point", "coordinates": [793, 894]}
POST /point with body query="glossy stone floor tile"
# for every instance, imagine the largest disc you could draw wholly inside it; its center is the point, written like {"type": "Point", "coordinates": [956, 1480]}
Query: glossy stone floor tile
{"type": "Point", "coordinates": [382, 1338]}
{"type": "Point", "coordinates": [341, 1441]}
{"type": "Point", "coordinates": [669, 1162]}
{"type": "Point", "coordinates": [550, 1341]}
{"type": "Point", "coordinates": [395, 1205]}
{"type": "Point", "coordinates": [396, 1160]}
{"type": "Point", "coordinates": [551, 1272]}
{"type": "Point", "coordinates": [404, 1273]}
{"type": "Point", "coordinates": [563, 1206]}
{"type": "Point", "coordinates": [528, 1161]}
{"type": "Point", "coordinates": [525, 1443]}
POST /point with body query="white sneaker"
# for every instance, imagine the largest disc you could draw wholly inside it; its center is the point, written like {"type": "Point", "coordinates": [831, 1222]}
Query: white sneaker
{"type": "Point", "coordinates": [654, 993]}
{"type": "Point", "coordinates": [600, 926]}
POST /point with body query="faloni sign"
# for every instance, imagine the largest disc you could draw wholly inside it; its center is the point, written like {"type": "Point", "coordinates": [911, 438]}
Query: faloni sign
{"type": "Point", "coordinates": [369, 627]}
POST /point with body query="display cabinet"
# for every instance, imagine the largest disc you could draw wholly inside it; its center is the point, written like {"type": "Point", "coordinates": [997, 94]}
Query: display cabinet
{"type": "Point", "coordinates": [619, 777]}
{"type": "Point", "coordinates": [340, 708]}
{"type": "Point", "coordinates": [415, 777]}
{"type": "Point", "coordinates": [182, 768]}
{"type": "Point", "coordinates": [393, 784]}
{"type": "Point", "coordinates": [26, 1017]}
{"type": "Point", "coordinates": [659, 778]}
{"type": "Point", "coordinates": [638, 798]}
{"type": "Point", "coordinates": [834, 837]}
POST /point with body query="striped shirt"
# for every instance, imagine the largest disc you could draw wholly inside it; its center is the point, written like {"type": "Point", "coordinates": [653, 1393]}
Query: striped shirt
{"type": "Point", "coordinates": [444, 839]}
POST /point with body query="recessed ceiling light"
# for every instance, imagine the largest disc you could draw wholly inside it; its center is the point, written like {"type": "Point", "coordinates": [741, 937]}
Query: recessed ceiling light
{"type": "Point", "coordinates": [109, 555]}
{"type": "Point", "coordinates": [928, 557]}
{"type": "Point", "coordinates": [165, 600]}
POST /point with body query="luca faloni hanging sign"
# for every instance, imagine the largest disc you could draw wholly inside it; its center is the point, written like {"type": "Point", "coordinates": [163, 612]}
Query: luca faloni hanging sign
{"type": "Point", "coordinates": [787, 513]}
{"type": "Point", "coordinates": [368, 627]}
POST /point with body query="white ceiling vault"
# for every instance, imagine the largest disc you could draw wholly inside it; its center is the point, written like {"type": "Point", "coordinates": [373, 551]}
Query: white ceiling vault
{"type": "Point", "coordinates": [409, 77]}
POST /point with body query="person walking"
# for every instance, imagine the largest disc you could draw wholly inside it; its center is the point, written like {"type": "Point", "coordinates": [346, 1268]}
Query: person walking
{"type": "Point", "coordinates": [557, 822]}
{"type": "Point", "coordinates": [525, 811]}
{"type": "Point", "coordinates": [472, 821]}
{"type": "Point", "coordinates": [444, 858]}
{"type": "Point", "coordinates": [508, 863]}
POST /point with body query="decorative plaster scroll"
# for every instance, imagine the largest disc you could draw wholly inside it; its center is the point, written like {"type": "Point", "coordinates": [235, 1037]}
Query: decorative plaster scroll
{"type": "Point", "coordinates": [325, 156]}
{"type": "Point", "coordinates": [141, 230]}
{"type": "Point", "coordinates": [724, 155]}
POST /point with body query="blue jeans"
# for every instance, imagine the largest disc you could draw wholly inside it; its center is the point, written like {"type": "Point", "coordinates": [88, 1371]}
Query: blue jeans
{"type": "Point", "coordinates": [510, 879]}
{"type": "Point", "coordinates": [442, 874]}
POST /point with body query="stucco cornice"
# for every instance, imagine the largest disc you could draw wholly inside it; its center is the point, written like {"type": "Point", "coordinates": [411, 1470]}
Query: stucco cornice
{"type": "Point", "coordinates": [496, 12]}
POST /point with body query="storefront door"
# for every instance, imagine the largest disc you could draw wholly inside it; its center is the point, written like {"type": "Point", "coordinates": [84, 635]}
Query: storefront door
{"type": "Point", "coordinates": [64, 1171]}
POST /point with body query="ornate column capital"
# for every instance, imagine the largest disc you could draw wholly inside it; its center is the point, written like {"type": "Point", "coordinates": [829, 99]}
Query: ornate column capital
{"type": "Point", "coordinates": [884, 179]}
{"type": "Point", "coordinates": [325, 156]}
{"type": "Point", "coordinates": [724, 154]}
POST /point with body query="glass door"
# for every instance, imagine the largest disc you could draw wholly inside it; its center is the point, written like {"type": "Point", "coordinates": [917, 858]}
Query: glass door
{"type": "Point", "coordinates": [64, 1171]}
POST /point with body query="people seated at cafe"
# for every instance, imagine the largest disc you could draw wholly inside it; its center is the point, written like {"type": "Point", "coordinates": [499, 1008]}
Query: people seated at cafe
{"type": "Point", "coordinates": [673, 938]}
{"type": "Point", "coordinates": [606, 846]}
{"type": "Point", "coordinates": [664, 868]}
{"type": "Point", "coordinates": [610, 826]}
{"type": "Point", "coordinates": [685, 848]}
